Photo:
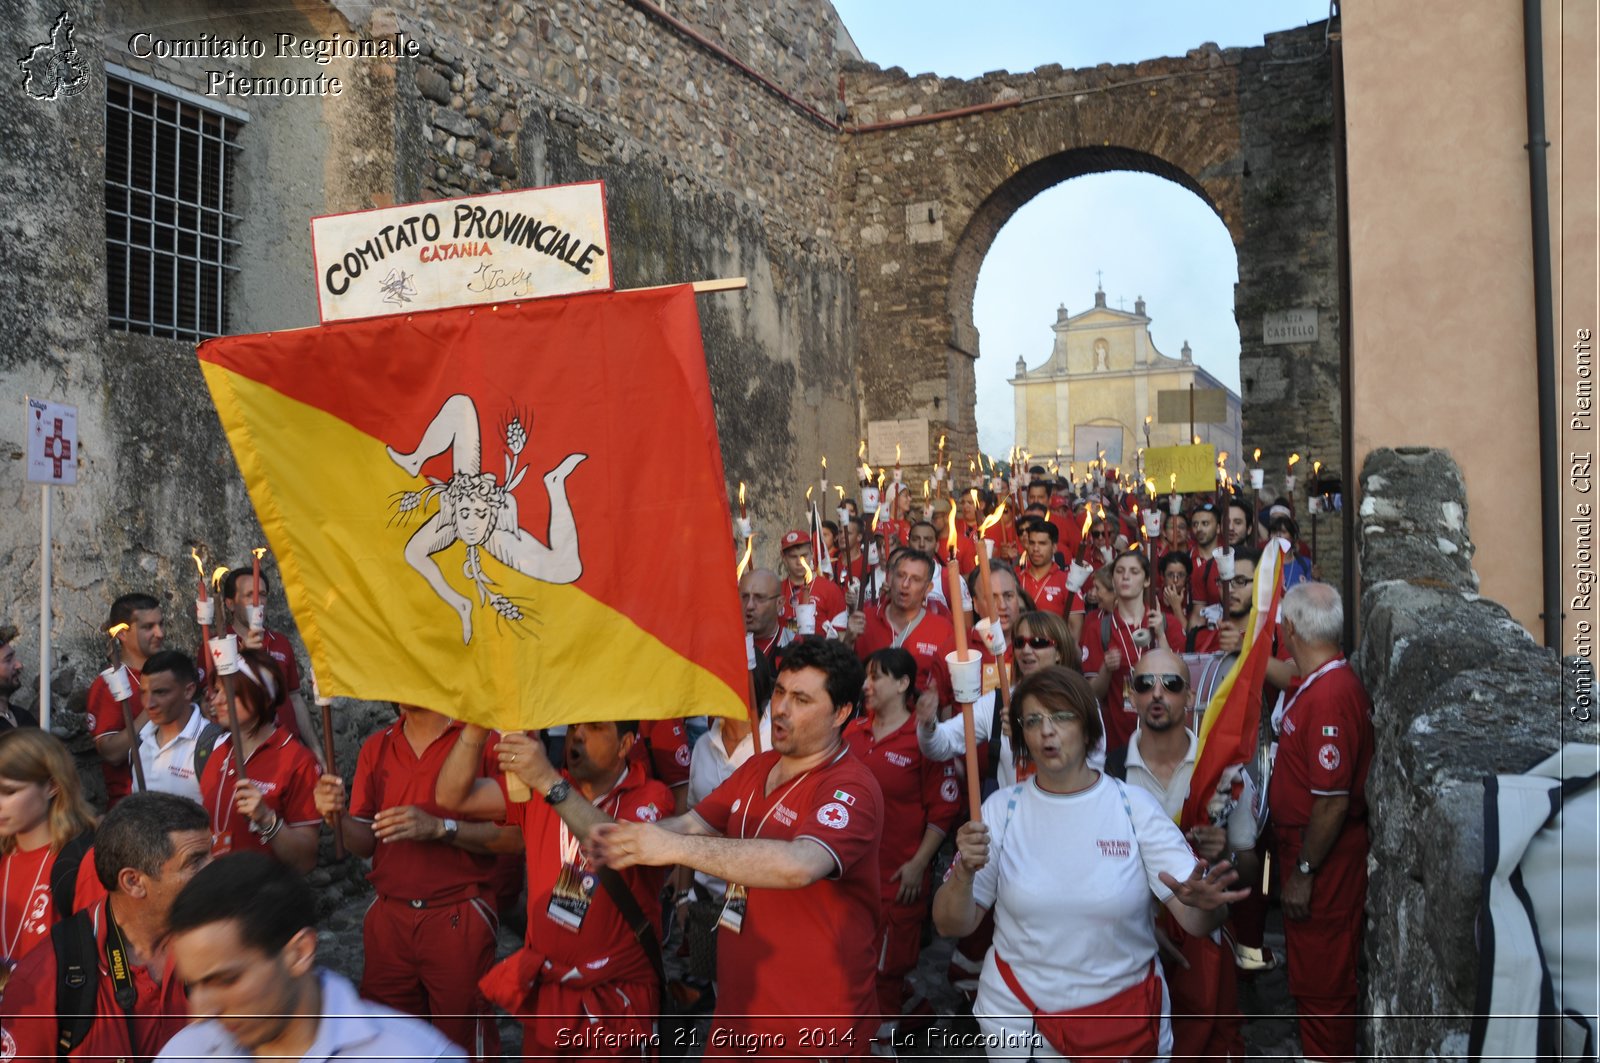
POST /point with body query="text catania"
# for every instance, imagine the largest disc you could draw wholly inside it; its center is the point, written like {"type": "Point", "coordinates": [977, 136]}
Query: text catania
{"type": "Point", "coordinates": [443, 252]}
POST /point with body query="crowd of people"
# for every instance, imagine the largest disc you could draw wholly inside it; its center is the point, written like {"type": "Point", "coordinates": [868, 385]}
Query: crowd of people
{"type": "Point", "coordinates": [790, 859]}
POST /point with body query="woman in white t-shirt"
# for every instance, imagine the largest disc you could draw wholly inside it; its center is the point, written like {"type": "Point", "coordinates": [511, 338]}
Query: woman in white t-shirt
{"type": "Point", "coordinates": [1074, 858]}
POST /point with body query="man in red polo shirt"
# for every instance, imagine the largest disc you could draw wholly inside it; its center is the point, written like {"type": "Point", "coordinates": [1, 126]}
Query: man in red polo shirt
{"type": "Point", "coordinates": [145, 850]}
{"type": "Point", "coordinates": [904, 620]}
{"type": "Point", "coordinates": [590, 972]}
{"type": "Point", "coordinates": [795, 548]}
{"type": "Point", "coordinates": [795, 832]}
{"type": "Point", "coordinates": [143, 636]}
{"type": "Point", "coordinates": [1042, 579]}
{"type": "Point", "coordinates": [1205, 582]}
{"type": "Point", "coordinates": [1318, 798]}
{"type": "Point", "coordinates": [430, 934]}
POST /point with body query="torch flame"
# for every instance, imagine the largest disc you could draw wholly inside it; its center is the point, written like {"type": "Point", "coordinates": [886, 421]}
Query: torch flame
{"type": "Point", "coordinates": [941, 440]}
{"type": "Point", "coordinates": [862, 452]}
{"type": "Point", "coordinates": [897, 453]}
{"type": "Point", "coordinates": [744, 562]}
{"type": "Point", "coordinates": [824, 466]}
{"type": "Point", "coordinates": [1257, 456]}
{"type": "Point", "coordinates": [881, 477]}
{"type": "Point", "coordinates": [993, 519]}
{"type": "Point", "coordinates": [926, 490]}
{"type": "Point", "coordinates": [1197, 441]}
{"type": "Point", "coordinates": [1316, 468]}
{"type": "Point", "coordinates": [1222, 459]}
{"type": "Point", "coordinates": [260, 551]}
{"type": "Point", "coordinates": [1292, 459]}
{"type": "Point", "coordinates": [1150, 485]}
{"type": "Point", "coordinates": [116, 629]}
{"type": "Point", "coordinates": [972, 466]}
{"type": "Point", "coordinates": [950, 540]}
{"type": "Point", "coordinates": [1172, 482]}
{"type": "Point", "coordinates": [808, 494]}
{"type": "Point", "coordinates": [839, 488]}
{"type": "Point", "coordinates": [198, 566]}
{"type": "Point", "coordinates": [217, 575]}
{"type": "Point", "coordinates": [806, 565]}
{"type": "Point", "coordinates": [741, 492]}
{"type": "Point", "coordinates": [1088, 521]}
{"type": "Point", "coordinates": [1148, 420]}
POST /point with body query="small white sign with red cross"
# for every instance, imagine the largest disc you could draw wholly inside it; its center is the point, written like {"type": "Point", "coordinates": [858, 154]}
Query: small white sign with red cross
{"type": "Point", "coordinates": [52, 442]}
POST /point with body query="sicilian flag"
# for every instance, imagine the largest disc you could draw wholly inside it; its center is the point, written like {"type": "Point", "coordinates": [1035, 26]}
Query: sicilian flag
{"type": "Point", "coordinates": [1232, 721]}
{"type": "Point", "coordinates": [456, 501]}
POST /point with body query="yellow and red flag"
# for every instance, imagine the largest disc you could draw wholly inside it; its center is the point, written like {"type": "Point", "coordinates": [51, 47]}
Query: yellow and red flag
{"type": "Point", "coordinates": [1231, 726]}
{"type": "Point", "coordinates": [457, 501]}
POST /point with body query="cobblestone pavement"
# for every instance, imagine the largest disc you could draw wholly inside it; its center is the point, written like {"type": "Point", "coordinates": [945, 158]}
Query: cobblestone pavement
{"type": "Point", "coordinates": [1269, 1028]}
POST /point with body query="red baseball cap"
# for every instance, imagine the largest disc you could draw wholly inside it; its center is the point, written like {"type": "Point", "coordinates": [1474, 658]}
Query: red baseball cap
{"type": "Point", "coordinates": [793, 539]}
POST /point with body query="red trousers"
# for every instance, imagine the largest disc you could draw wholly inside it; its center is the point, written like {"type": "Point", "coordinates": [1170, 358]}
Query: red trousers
{"type": "Point", "coordinates": [1324, 948]}
{"type": "Point", "coordinates": [427, 962]}
{"type": "Point", "coordinates": [898, 953]}
{"type": "Point", "coordinates": [1206, 1023]}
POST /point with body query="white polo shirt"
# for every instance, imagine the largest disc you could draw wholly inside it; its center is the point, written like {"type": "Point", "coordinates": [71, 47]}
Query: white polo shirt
{"type": "Point", "coordinates": [169, 769]}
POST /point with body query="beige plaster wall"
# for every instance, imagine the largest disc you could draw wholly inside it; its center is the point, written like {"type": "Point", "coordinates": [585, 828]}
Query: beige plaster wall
{"type": "Point", "coordinates": [1441, 254]}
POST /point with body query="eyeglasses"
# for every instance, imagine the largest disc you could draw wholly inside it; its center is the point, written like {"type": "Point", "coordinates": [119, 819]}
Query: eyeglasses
{"type": "Point", "coordinates": [1038, 642]}
{"type": "Point", "coordinates": [1035, 720]}
{"type": "Point", "coordinates": [1239, 581]}
{"type": "Point", "coordinates": [1173, 684]}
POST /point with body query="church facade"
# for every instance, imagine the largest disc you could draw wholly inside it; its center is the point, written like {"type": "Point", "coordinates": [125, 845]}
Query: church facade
{"type": "Point", "coordinates": [1093, 395]}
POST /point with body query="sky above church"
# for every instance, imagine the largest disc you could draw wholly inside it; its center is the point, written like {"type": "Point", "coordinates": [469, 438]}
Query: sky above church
{"type": "Point", "coordinates": [1143, 235]}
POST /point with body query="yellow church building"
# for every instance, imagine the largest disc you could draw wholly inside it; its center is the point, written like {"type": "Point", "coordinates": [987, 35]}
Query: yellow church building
{"type": "Point", "coordinates": [1102, 381]}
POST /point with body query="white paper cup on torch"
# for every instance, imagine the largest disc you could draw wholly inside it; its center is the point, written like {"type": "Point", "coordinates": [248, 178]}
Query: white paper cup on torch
{"type": "Point", "coordinates": [869, 500]}
{"type": "Point", "coordinates": [742, 526]}
{"type": "Point", "coordinates": [844, 516]}
{"type": "Point", "coordinates": [1077, 575]}
{"type": "Point", "coordinates": [1288, 483]}
{"type": "Point", "coordinates": [805, 616]}
{"type": "Point", "coordinates": [225, 654]}
{"type": "Point", "coordinates": [872, 555]}
{"type": "Point", "coordinates": [205, 612]}
{"type": "Point", "coordinates": [988, 548]}
{"type": "Point", "coordinates": [1224, 559]}
{"type": "Point", "coordinates": [966, 677]}
{"type": "Point", "coordinates": [1152, 523]}
{"type": "Point", "coordinates": [938, 473]}
{"type": "Point", "coordinates": [1175, 505]}
{"type": "Point", "coordinates": [118, 683]}
{"type": "Point", "coordinates": [1258, 479]}
{"type": "Point", "coordinates": [993, 636]}
{"type": "Point", "coordinates": [256, 616]}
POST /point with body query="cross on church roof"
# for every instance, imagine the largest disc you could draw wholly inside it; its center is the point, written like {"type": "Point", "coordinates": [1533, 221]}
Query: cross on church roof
{"type": "Point", "coordinates": [1099, 284]}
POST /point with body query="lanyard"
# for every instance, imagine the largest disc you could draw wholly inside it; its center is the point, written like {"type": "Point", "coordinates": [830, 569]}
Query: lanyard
{"type": "Point", "coordinates": [775, 798]}
{"type": "Point", "coordinates": [10, 947]}
{"type": "Point", "coordinates": [571, 850]}
{"type": "Point", "coordinates": [900, 636]}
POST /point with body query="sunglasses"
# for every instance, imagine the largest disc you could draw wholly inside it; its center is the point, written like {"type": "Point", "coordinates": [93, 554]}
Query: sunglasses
{"type": "Point", "coordinates": [1038, 642]}
{"type": "Point", "coordinates": [1173, 684]}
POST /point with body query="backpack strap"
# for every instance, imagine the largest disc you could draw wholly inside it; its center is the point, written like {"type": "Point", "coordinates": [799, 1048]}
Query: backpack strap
{"type": "Point", "coordinates": [204, 743]}
{"type": "Point", "coordinates": [627, 906]}
{"type": "Point", "coordinates": [77, 977]}
{"type": "Point", "coordinates": [64, 874]}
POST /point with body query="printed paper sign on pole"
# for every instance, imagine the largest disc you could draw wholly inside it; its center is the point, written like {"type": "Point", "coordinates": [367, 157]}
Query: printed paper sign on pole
{"type": "Point", "coordinates": [527, 244]}
{"type": "Point", "coordinates": [52, 442]}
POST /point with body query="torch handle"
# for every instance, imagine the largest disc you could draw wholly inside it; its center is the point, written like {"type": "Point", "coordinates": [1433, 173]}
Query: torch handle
{"type": "Point", "coordinates": [133, 755]}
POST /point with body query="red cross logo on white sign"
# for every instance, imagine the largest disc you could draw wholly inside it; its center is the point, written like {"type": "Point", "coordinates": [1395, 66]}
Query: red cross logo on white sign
{"type": "Point", "coordinates": [57, 447]}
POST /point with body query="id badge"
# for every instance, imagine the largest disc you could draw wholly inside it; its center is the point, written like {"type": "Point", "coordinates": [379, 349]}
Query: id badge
{"type": "Point", "coordinates": [222, 844]}
{"type": "Point", "coordinates": [571, 897]}
{"type": "Point", "coordinates": [732, 918]}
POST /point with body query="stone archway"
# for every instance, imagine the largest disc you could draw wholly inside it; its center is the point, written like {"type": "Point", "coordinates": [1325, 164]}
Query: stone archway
{"type": "Point", "coordinates": [932, 169]}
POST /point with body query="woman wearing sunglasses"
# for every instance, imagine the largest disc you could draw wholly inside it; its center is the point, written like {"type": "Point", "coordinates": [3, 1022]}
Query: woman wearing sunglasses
{"type": "Point", "coordinates": [1068, 860]}
{"type": "Point", "coordinates": [1040, 640]}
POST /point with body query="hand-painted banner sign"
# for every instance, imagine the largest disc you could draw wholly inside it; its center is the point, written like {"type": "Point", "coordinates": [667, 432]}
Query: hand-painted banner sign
{"type": "Point", "coordinates": [527, 244]}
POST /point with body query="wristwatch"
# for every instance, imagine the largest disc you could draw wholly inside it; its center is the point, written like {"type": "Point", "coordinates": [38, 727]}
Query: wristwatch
{"type": "Point", "coordinates": [451, 828]}
{"type": "Point", "coordinates": [558, 793]}
{"type": "Point", "coordinates": [1305, 868]}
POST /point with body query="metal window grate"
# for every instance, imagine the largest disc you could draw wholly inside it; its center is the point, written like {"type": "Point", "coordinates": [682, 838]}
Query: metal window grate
{"type": "Point", "coordinates": [170, 221]}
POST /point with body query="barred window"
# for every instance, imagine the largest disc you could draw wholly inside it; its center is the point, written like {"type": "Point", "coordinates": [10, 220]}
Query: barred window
{"type": "Point", "coordinates": [170, 221]}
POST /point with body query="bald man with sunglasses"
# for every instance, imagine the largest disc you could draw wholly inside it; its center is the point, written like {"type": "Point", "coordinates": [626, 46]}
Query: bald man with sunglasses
{"type": "Point", "coordinates": [1160, 759]}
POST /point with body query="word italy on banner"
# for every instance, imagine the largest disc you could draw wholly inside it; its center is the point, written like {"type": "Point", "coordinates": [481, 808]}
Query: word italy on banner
{"type": "Point", "coordinates": [528, 244]}
{"type": "Point", "coordinates": [1195, 466]}
{"type": "Point", "coordinates": [442, 492]}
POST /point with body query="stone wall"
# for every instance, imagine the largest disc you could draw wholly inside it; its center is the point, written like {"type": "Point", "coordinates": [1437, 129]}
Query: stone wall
{"type": "Point", "coordinates": [709, 174]}
{"type": "Point", "coordinates": [1460, 691]}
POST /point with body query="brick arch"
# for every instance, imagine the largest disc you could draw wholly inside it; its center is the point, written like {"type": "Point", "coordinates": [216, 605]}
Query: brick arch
{"type": "Point", "coordinates": [931, 168]}
{"type": "Point", "coordinates": [985, 223]}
